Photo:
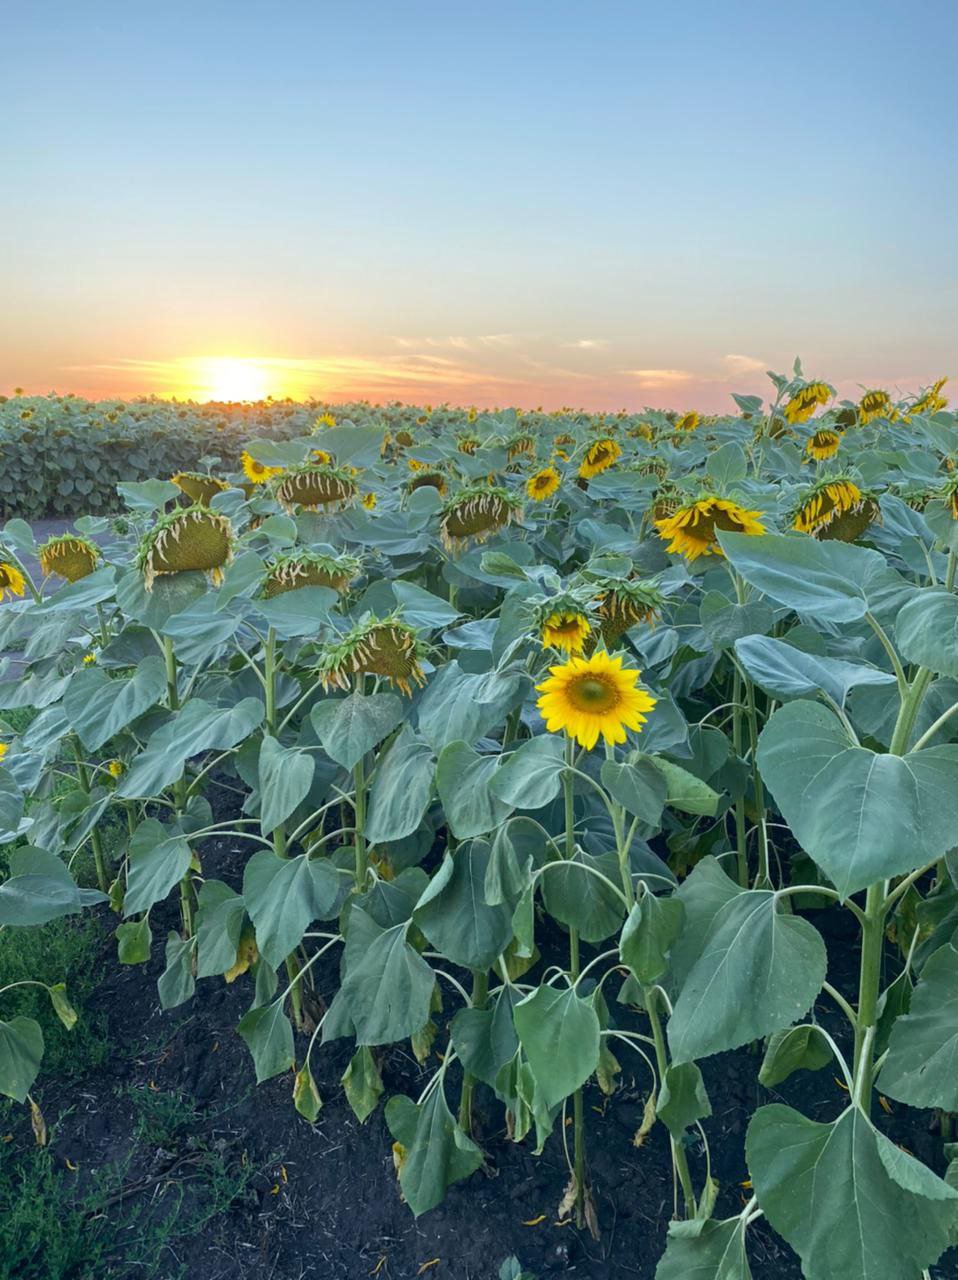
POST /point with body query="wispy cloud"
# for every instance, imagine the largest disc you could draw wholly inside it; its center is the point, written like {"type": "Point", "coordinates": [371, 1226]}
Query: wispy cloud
{"type": "Point", "coordinates": [656, 379]}
{"type": "Point", "coordinates": [740, 365]}
{"type": "Point", "coordinates": [587, 344]}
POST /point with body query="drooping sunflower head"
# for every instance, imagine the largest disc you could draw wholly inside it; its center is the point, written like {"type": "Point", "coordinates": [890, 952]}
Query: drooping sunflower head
{"type": "Point", "coordinates": [386, 647]}
{"type": "Point", "coordinates": [475, 513]}
{"type": "Point", "coordinates": [468, 444]}
{"type": "Point", "coordinates": [404, 437]}
{"type": "Point", "coordinates": [315, 485]}
{"type": "Point", "coordinates": [949, 495]}
{"type": "Point", "coordinates": [586, 697]}
{"type": "Point", "coordinates": [310, 569]}
{"type": "Point", "coordinates": [12, 581]}
{"type": "Point", "coordinates": [198, 487]}
{"type": "Point", "coordinates": [687, 422]}
{"type": "Point", "coordinates": [565, 629]}
{"type": "Point", "coordinates": [599, 457]}
{"type": "Point", "coordinates": [692, 529]}
{"type": "Point", "coordinates": [803, 403]}
{"type": "Point", "coordinates": [917, 496]}
{"type": "Point", "coordinates": [257, 472]}
{"type": "Point", "coordinates": [426, 478]}
{"type": "Point", "coordinates": [192, 539]}
{"type": "Point", "coordinates": [641, 431]}
{"type": "Point", "coordinates": [624, 604]}
{"type": "Point", "coordinates": [543, 484]}
{"type": "Point", "coordinates": [564, 441]}
{"type": "Point", "coordinates": [519, 445]}
{"type": "Point", "coordinates": [835, 509]}
{"type": "Point", "coordinates": [874, 404]}
{"type": "Point", "coordinates": [930, 399]}
{"type": "Point", "coordinates": [69, 556]}
{"type": "Point", "coordinates": [823, 444]}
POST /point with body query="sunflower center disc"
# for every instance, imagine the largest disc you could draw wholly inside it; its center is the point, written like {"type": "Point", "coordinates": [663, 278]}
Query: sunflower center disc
{"type": "Point", "coordinates": [593, 694]}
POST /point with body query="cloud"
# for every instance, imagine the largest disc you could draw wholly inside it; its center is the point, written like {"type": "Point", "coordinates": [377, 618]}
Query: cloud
{"type": "Point", "coordinates": [739, 365]}
{"type": "Point", "coordinates": [587, 344]}
{"type": "Point", "coordinates": [656, 379]}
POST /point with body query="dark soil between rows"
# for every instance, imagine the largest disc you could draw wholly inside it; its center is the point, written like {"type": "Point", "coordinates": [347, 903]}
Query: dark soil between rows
{"type": "Point", "coordinates": [323, 1201]}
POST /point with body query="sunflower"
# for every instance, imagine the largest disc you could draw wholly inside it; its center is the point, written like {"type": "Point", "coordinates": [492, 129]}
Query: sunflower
{"type": "Point", "coordinates": [197, 486]}
{"type": "Point", "coordinates": [476, 512]}
{"type": "Point", "coordinates": [315, 485]}
{"type": "Point", "coordinates": [693, 528]}
{"type": "Point", "coordinates": [369, 501]}
{"type": "Point", "coordinates": [257, 472]}
{"type": "Point", "coordinates": [310, 569]}
{"type": "Point", "coordinates": [468, 444]}
{"type": "Point", "coordinates": [375, 646]}
{"type": "Point", "coordinates": [427, 479]}
{"type": "Point", "coordinates": [589, 696]}
{"type": "Point", "coordinates": [567, 630]}
{"type": "Point", "coordinates": [625, 604]}
{"type": "Point", "coordinates": [823, 444]}
{"type": "Point", "coordinates": [931, 400]}
{"type": "Point", "coordinates": [4, 748]}
{"type": "Point", "coordinates": [806, 400]}
{"type": "Point", "coordinates": [599, 457]}
{"type": "Point", "coordinates": [874, 404]}
{"type": "Point", "coordinates": [948, 495]}
{"type": "Point", "coordinates": [688, 421]}
{"type": "Point", "coordinates": [68, 555]}
{"type": "Point", "coordinates": [12, 581]}
{"type": "Point", "coordinates": [185, 541]}
{"type": "Point", "coordinates": [322, 457]}
{"type": "Point", "coordinates": [835, 509]}
{"type": "Point", "coordinates": [543, 484]}
{"type": "Point", "coordinates": [324, 420]}
{"type": "Point", "coordinates": [116, 768]}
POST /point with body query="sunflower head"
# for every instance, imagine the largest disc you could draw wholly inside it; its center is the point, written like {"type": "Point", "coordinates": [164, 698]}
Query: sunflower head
{"type": "Point", "coordinates": [519, 445]}
{"type": "Point", "coordinates": [68, 555]}
{"type": "Point", "coordinates": [404, 438]}
{"type": "Point", "coordinates": [369, 501]}
{"type": "Point", "coordinates": [806, 400]}
{"type": "Point", "coordinates": [564, 441]}
{"type": "Point", "coordinates": [315, 485]}
{"type": "Point", "coordinates": [874, 404]}
{"type": "Point", "coordinates": [823, 444]}
{"type": "Point", "coordinates": [310, 569]}
{"type": "Point", "coordinates": [543, 484]}
{"type": "Point", "coordinates": [257, 472]}
{"type": "Point", "coordinates": [322, 457]}
{"type": "Point", "coordinates": [692, 529]}
{"type": "Point", "coordinates": [624, 604]}
{"type": "Point", "coordinates": [948, 494]}
{"type": "Point", "coordinates": [384, 647]}
{"type": "Point", "coordinates": [192, 539]}
{"type": "Point", "coordinates": [12, 581]}
{"type": "Point", "coordinates": [565, 629]}
{"type": "Point", "coordinates": [930, 400]}
{"type": "Point", "coordinates": [687, 422]}
{"type": "Point", "coordinates": [426, 478]}
{"type": "Point", "coordinates": [599, 457]}
{"type": "Point", "coordinates": [835, 509]}
{"type": "Point", "coordinates": [197, 486]}
{"type": "Point", "coordinates": [476, 513]}
{"type": "Point", "coordinates": [467, 444]}
{"type": "Point", "coordinates": [324, 420]}
{"type": "Point", "coordinates": [586, 697]}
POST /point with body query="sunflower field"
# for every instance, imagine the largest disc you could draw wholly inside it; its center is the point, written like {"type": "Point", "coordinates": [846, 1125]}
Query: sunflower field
{"type": "Point", "coordinates": [563, 750]}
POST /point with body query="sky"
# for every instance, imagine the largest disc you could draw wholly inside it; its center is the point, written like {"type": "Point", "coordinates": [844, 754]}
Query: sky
{"type": "Point", "coordinates": [608, 205]}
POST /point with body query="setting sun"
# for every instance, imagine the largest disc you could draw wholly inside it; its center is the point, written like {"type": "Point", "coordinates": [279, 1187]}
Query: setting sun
{"type": "Point", "coordinates": [232, 378]}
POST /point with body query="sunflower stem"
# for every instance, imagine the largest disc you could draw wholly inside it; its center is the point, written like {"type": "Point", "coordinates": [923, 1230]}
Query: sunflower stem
{"type": "Point", "coordinates": [99, 857]}
{"type": "Point", "coordinates": [577, 1107]}
{"type": "Point", "coordinates": [480, 994]}
{"type": "Point", "coordinates": [741, 836]}
{"type": "Point", "coordinates": [679, 1160]}
{"type": "Point", "coordinates": [179, 786]}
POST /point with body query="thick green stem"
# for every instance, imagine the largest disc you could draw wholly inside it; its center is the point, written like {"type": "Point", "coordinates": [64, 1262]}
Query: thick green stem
{"type": "Point", "coordinates": [741, 835]}
{"type": "Point", "coordinates": [762, 878]}
{"type": "Point", "coordinates": [179, 786]}
{"type": "Point", "coordinates": [99, 857]}
{"type": "Point", "coordinates": [662, 1062]}
{"type": "Point", "coordinates": [578, 1124]}
{"type": "Point", "coordinates": [950, 571]}
{"type": "Point", "coordinates": [359, 809]}
{"type": "Point", "coordinates": [480, 994]}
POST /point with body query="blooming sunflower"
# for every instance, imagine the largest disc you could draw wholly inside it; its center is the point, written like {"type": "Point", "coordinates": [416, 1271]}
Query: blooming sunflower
{"type": "Point", "coordinates": [68, 555]}
{"type": "Point", "coordinates": [931, 400]}
{"type": "Point", "coordinates": [688, 421]}
{"type": "Point", "coordinates": [874, 404]}
{"type": "Point", "coordinates": [567, 630]}
{"type": "Point", "coordinates": [835, 509]}
{"type": "Point", "coordinates": [369, 501]}
{"type": "Point", "coordinates": [599, 457]}
{"type": "Point", "coordinates": [543, 484]}
{"type": "Point", "coordinates": [12, 581]}
{"type": "Point", "coordinates": [325, 420]}
{"type": "Point", "coordinates": [823, 444]}
{"type": "Point", "coordinates": [4, 748]}
{"type": "Point", "coordinates": [591, 696]}
{"type": "Point", "coordinates": [693, 528]}
{"type": "Point", "coordinates": [321, 456]}
{"type": "Point", "coordinates": [257, 472]}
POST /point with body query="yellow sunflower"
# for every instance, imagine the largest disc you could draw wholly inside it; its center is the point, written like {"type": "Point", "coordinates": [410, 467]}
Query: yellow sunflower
{"type": "Point", "coordinates": [804, 402]}
{"type": "Point", "coordinates": [12, 581]}
{"type": "Point", "coordinates": [257, 472]}
{"type": "Point", "coordinates": [874, 404]}
{"type": "Point", "coordinates": [566, 630]}
{"type": "Point", "coordinates": [589, 696]}
{"type": "Point", "coordinates": [325, 420]}
{"type": "Point", "coordinates": [688, 421]}
{"type": "Point", "coordinates": [543, 484]}
{"type": "Point", "coordinates": [322, 457]}
{"type": "Point", "coordinates": [599, 457]}
{"type": "Point", "coordinates": [931, 400]}
{"type": "Point", "coordinates": [836, 509]}
{"type": "Point", "coordinates": [369, 501]}
{"type": "Point", "coordinates": [4, 748]}
{"type": "Point", "coordinates": [823, 444]}
{"type": "Point", "coordinates": [693, 528]}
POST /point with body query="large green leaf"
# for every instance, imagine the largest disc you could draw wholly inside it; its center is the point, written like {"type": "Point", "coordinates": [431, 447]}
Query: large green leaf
{"type": "Point", "coordinates": [435, 1151]}
{"type": "Point", "coordinates": [640, 788]}
{"type": "Point", "coordinates": [927, 631]}
{"type": "Point", "coordinates": [285, 776]}
{"type": "Point", "coordinates": [219, 926]}
{"type": "Point", "coordinates": [705, 1250]}
{"type": "Point", "coordinates": [283, 896]}
{"type": "Point", "coordinates": [387, 986]}
{"type": "Point", "coordinates": [40, 889]}
{"type": "Point", "coordinates": [198, 727]}
{"type": "Point", "coordinates": [350, 727]}
{"type": "Point", "coordinates": [362, 1083]}
{"type": "Point", "coordinates": [559, 1034]}
{"type": "Point", "coordinates": [861, 816]}
{"type": "Point", "coordinates": [298, 613]}
{"type": "Point", "coordinates": [460, 706]}
{"type": "Point", "coordinates": [682, 1098]}
{"type": "Point", "coordinates": [786, 672]}
{"type": "Point", "coordinates": [849, 1202]}
{"type": "Point", "coordinates": [750, 968]}
{"type": "Point", "coordinates": [684, 791]}
{"type": "Point", "coordinates": [21, 1051]}
{"type": "Point", "coordinates": [462, 780]}
{"type": "Point", "coordinates": [531, 776]}
{"type": "Point", "coordinates": [799, 1048]}
{"type": "Point", "coordinates": [485, 1039]}
{"type": "Point", "coordinates": [922, 1064]}
{"type": "Point", "coordinates": [454, 915]}
{"type": "Point", "coordinates": [585, 899]}
{"type": "Point", "coordinates": [649, 932]}
{"type": "Point", "coordinates": [420, 608]}
{"type": "Point", "coordinates": [269, 1038]}
{"type": "Point", "coordinates": [401, 789]}
{"type": "Point", "coordinates": [176, 983]}
{"type": "Point", "coordinates": [159, 859]}
{"type": "Point", "coordinates": [829, 581]}
{"type": "Point", "coordinates": [99, 706]}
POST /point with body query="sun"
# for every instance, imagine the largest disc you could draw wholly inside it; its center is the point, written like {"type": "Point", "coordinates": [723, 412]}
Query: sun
{"type": "Point", "coordinates": [233, 378]}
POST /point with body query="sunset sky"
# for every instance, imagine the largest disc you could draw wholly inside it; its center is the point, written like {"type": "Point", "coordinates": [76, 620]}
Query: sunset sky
{"type": "Point", "coordinates": [593, 203]}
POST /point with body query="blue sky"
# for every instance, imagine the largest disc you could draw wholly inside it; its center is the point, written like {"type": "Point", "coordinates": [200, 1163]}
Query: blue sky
{"type": "Point", "coordinates": [604, 204]}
